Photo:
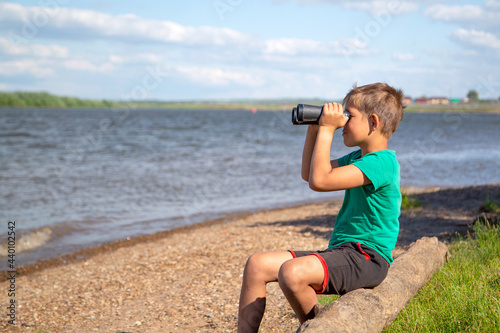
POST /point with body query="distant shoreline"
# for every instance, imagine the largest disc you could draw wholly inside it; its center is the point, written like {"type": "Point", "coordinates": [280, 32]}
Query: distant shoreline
{"type": "Point", "coordinates": [45, 100]}
{"type": "Point", "coordinates": [469, 108]}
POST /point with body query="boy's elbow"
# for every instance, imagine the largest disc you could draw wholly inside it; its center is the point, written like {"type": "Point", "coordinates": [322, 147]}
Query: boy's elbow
{"type": "Point", "coordinates": [313, 187]}
{"type": "Point", "coordinates": [316, 186]}
{"type": "Point", "coordinates": [323, 183]}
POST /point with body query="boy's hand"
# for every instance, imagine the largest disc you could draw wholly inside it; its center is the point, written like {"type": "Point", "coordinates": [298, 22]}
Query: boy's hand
{"type": "Point", "coordinates": [333, 116]}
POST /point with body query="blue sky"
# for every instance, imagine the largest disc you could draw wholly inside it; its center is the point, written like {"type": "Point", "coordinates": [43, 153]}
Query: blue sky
{"type": "Point", "coordinates": [231, 49]}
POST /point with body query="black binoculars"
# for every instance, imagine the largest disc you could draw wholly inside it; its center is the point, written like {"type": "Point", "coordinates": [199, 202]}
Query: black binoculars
{"type": "Point", "coordinates": [305, 114]}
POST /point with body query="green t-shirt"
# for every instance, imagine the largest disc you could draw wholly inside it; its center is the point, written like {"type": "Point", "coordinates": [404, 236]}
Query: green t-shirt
{"type": "Point", "coordinates": [370, 213]}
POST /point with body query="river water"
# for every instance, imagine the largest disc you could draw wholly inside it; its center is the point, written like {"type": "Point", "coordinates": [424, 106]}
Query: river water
{"type": "Point", "coordinates": [75, 178]}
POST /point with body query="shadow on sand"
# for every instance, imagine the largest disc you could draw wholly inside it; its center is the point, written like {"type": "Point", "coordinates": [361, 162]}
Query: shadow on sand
{"type": "Point", "coordinates": [444, 213]}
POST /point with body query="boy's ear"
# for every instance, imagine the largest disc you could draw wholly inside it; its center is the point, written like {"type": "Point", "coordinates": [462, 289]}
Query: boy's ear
{"type": "Point", "coordinates": [375, 122]}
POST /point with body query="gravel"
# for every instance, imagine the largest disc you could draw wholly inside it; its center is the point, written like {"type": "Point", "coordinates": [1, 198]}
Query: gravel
{"type": "Point", "coordinates": [188, 280]}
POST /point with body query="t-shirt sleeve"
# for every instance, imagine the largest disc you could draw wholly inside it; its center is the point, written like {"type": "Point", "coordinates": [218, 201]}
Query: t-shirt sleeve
{"type": "Point", "coordinates": [346, 159]}
{"type": "Point", "coordinates": [379, 168]}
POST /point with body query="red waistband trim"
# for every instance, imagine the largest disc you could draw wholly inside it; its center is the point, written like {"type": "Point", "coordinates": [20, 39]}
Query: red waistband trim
{"type": "Point", "coordinates": [367, 256]}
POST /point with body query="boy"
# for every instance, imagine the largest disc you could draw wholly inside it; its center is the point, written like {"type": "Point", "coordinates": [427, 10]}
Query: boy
{"type": "Point", "coordinates": [367, 226]}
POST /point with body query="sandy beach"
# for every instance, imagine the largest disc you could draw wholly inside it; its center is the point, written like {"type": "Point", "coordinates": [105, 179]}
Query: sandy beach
{"type": "Point", "coordinates": [188, 279]}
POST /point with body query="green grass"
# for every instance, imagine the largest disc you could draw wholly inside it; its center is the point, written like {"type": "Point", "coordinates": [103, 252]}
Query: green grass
{"type": "Point", "coordinates": [464, 296]}
{"type": "Point", "coordinates": [489, 206]}
{"type": "Point", "coordinates": [325, 299]}
{"type": "Point", "coordinates": [409, 202]}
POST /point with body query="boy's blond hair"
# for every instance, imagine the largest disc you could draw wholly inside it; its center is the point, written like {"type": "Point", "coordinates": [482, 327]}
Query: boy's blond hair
{"type": "Point", "coordinates": [380, 99]}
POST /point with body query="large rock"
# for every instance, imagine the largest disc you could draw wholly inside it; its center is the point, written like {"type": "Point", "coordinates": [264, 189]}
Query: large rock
{"type": "Point", "coordinates": [370, 310]}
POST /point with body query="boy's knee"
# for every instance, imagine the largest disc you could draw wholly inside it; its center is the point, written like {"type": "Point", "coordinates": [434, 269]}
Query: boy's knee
{"type": "Point", "coordinates": [264, 266]}
{"type": "Point", "coordinates": [291, 274]}
{"type": "Point", "coordinates": [254, 261]}
{"type": "Point", "coordinates": [255, 265]}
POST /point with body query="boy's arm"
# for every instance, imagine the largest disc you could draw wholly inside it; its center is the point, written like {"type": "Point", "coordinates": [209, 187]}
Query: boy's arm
{"type": "Point", "coordinates": [312, 132]}
{"type": "Point", "coordinates": [324, 176]}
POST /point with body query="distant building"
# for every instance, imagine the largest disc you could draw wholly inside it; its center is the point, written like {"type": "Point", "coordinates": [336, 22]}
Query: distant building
{"type": "Point", "coordinates": [438, 100]}
{"type": "Point", "coordinates": [421, 100]}
{"type": "Point", "coordinates": [406, 100]}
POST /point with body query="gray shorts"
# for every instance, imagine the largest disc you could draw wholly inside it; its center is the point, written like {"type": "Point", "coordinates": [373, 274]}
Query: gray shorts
{"type": "Point", "coordinates": [349, 266]}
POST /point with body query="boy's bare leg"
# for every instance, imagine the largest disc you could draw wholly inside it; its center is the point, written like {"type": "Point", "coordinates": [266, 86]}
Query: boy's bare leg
{"type": "Point", "coordinates": [260, 269]}
{"type": "Point", "coordinates": [299, 279]}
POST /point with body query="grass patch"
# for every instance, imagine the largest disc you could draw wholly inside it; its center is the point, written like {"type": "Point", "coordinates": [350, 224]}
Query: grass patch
{"type": "Point", "coordinates": [464, 296]}
{"type": "Point", "coordinates": [489, 206]}
{"type": "Point", "coordinates": [408, 202]}
{"type": "Point", "coordinates": [325, 299]}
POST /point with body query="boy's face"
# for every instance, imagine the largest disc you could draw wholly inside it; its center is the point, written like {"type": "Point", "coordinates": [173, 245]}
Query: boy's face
{"type": "Point", "coordinates": [357, 129]}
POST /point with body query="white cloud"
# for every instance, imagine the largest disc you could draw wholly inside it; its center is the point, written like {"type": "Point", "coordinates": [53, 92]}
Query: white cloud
{"type": "Point", "coordinates": [229, 53]}
{"type": "Point", "coordinates": [38, 50]}
{"type": "Point", "coordinates": [477, 38]}
{"type": "Point", "coordinates": [471, 15]}
{"type": "Point", "coordinates": [150, 58]}
{"type": "Point", "coordinates": [119, 50]}
{"type": "Point", "coordinates": [84, 65]}
{"type": "Point", "coordinates": [454, 13]}
{"type": "Point", "coordinates": [403, 56]}
{"type": "Point", "coordinates": [492, 4]}
{"type": "Point", "coordinates": [31, 67]}
{"type": "Point", "coordinates": [293, 46]}
{"type": "Point", "coordinates": [218, 77]}
{"type": "Point", "coordinates": [131, 28]}
{"type": "Point", "coordinates": [217, 43]}
{"type": "Point", "coordinates": [379, 7]}
{"type": "Point", "coordinates": [480, 25]}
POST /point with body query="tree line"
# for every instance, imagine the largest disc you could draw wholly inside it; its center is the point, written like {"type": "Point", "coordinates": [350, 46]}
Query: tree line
{"type": "Point", "coordinates": [44, 99]}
